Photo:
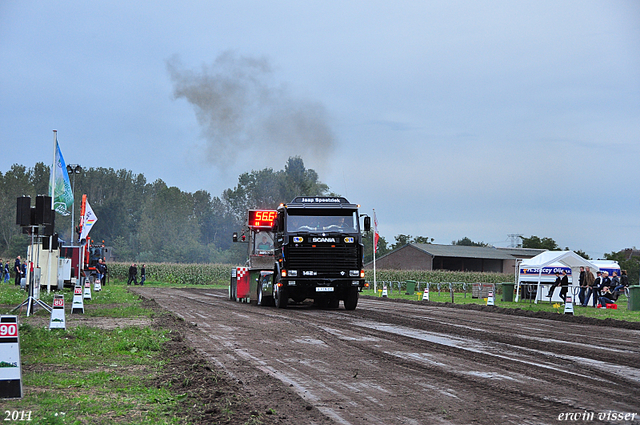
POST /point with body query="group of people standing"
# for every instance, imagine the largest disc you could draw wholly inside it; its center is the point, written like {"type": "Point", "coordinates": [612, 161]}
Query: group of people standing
{"type": "Point", "coordinates": [603, 289]}
{"type": "Point", "coordinates": [133, 274]}
{"type": "Point", "coordinates": [19, 269]}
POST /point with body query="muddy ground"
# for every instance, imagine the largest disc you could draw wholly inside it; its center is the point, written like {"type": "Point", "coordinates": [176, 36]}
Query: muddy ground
{"type": "Point", "coordinates": [397, 363]}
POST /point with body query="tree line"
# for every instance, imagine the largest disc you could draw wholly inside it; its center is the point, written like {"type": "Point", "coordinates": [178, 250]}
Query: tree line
{"type": "Point", "coordinates": [152, 222]}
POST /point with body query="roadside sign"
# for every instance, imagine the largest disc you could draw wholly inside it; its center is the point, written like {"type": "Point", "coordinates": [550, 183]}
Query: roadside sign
{"type": "Point", "coordinates": [10, 366]}
{"type": "Point", "coordinates": [58, 320]}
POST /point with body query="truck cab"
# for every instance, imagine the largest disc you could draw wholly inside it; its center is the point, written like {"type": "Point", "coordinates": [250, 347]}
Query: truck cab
{"type": "Point", "coordinates": [318, 252]}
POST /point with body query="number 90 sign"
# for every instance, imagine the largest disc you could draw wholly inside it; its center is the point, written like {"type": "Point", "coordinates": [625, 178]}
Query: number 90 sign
{"type": "Point", "coordinates": [8, 329]}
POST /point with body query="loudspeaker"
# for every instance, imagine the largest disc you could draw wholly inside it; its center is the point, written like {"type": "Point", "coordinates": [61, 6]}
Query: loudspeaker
{"type": "Point", "coordinates": [43, 210]}
{"type": "Point", "coordinates": [23, 211]}
{"type": "Point", "coordinates": [54, 241]}
{"type": "Point", "coordinates": [49, 228]}
{"type": "Point", "coordinates": [46, 242]}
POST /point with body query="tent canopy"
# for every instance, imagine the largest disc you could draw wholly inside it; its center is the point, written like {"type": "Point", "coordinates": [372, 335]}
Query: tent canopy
{"type": "Point", "coordinates": [568, 258]}
{"type": "Point", "coordinates": [551, 258]}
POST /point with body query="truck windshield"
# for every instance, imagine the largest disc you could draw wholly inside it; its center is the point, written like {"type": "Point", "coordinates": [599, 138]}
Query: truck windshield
{"type": "Point", "coordinates": [322, 221]}
{"type": "Point", "coordinates": [263, 243]}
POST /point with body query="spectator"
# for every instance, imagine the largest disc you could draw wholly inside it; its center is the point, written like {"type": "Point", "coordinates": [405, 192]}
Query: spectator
{"type": "Point", "coordinates": [606, 297]}
{"type": "Point", "coordinates": [106, 270]}
{"type": "Point", "coordinates": [17, 267]}
{"type": "Point", "coordinates": [143, 275]}
{"type": "Point", "coordinates": [133, 274]}
{"type": "Point", "coordinates": [615, 280]}
{"type": "Point", "coordinates": [564, 286]}
{"type": "Point", "coordinates": [101, 269]}
{"type": "Point", "coordinates": [6, 272]}
{"type": "Point", "coordinates": [594, 289]}
{"type": "Point", "coordinates": [624, 282]}
{"type": "Point", "coordinates": [553, 287]}
{"type": "Point", "coordinates": [582, 283]}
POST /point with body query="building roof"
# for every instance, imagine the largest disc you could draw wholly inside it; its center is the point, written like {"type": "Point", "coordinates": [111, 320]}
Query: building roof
{"type": "Point", "coordinates": [463, 251]}
{"type": "Point", "coordinates": [523, 252]}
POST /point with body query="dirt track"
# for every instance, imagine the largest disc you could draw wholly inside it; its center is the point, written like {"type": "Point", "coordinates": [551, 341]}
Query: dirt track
{"type": "Point", "coordinates": [413, 363]}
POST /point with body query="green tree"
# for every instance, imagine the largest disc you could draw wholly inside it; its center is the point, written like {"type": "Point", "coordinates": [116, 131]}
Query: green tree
{"type": "Point", "coordinates": [536, 242]}
{"type": "Point", "coordinates": [468, 242]}
{"type": "Point", "coordinates": [367, 240]}
{"type": "Point", "coordinates": [402, 240]}
{"type": "Point", "coordinates": [583, 254]}
{"type": "Point", "coordinates": [631, 265]}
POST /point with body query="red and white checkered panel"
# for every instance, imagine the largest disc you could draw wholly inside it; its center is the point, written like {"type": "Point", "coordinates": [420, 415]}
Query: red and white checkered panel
{"type": "Point", "coordinates": [242, 288]}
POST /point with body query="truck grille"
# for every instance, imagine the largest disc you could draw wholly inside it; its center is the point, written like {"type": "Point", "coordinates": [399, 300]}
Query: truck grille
{"type": "Point", "coordinates": [325, 260]}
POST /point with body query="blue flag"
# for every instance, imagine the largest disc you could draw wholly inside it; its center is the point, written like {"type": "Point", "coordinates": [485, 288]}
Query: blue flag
{"type": "Point", "coordinates": [61, 192]}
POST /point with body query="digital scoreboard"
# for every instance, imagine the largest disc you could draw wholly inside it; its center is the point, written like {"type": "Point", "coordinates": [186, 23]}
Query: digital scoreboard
{"type": "Point", "coordinates": [264, 219]}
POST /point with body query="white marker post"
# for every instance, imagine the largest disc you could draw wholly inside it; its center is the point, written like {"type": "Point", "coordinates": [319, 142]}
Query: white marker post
{"type": "Point", "coordinates": [58, 320]}
{"type": "Point", "coordinates": [78, 303]}
{"type": "Point", "coordinates": [10, 366]}
{"type": "Point", "coordinates": [87, 290]}
{"type": "Point", "coordinates": [568, 305]}
{"type": "Point", "coordinates": [425, 294]}
{"type": "Point", "coordinates": [490, 298]}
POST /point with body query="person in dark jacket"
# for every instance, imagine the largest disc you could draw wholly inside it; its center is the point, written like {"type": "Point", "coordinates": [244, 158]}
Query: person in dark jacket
{"type": "Point", "coordinates": [564, 286]}
{"type": "Point", "coordinates": [582, 283]}
{"type": "Point", "coordinates": [624, 282]}
{"type": "Point", "coordinates": [133, 274]}
{"type": "Point", "coordinates": [18, 269]}
{"type": "Point", "coordinates": [594, 289]}
{"type": "Point", "coordinates": [606, 297]}
{"type": "Point", "coordinates": [143, 275]}
{"type": "Point", "coordinates": [553, 287]}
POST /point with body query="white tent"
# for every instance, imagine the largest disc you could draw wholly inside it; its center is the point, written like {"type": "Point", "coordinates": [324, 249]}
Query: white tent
{"type": "Point", "coordinates": [548, 258]}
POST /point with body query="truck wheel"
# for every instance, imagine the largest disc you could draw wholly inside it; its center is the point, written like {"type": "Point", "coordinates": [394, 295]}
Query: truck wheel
{"type": "Point", "coordinates": [351, 300]}
{"type": "Point", "coordinates": [260, 299]}
{"type": "Point", "coordinates": [280, 297]}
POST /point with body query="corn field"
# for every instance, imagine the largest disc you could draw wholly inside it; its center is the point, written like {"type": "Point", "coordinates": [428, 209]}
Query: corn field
{"type": "Point", "coordinates": [208, 274]}
{"type": "Point", "coordinates": [188, 274]}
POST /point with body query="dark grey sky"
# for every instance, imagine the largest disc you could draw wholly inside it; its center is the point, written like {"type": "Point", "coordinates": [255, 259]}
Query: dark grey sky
{"type": "Point", "coordinates": [450, 118]}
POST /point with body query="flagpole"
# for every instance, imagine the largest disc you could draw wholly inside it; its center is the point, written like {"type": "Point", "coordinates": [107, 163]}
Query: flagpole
{"type": "Point", "coordinates": [375, 282]}
{"type": "Point", "coordinates": [52, 185]}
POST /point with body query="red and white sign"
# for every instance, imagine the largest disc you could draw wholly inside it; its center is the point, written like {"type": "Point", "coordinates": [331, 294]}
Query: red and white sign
{"type": "Point", "coordinates": [11, 370]}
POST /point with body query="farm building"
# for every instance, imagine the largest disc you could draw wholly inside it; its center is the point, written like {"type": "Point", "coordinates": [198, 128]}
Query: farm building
{"type": "Point", "coordinates": [417, 256]}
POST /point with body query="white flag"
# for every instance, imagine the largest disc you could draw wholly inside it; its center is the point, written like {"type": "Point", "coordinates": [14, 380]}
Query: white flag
{"type": "Point", "coordinates": [88, 221]}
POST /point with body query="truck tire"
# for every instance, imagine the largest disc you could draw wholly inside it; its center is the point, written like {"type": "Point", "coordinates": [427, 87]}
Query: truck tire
{"type": "Point", "coordinates": [351, 299]}
{"type": "Point", "coordinates": [262, 300]}
{"type": "Point", "coordinates": [280, 297]}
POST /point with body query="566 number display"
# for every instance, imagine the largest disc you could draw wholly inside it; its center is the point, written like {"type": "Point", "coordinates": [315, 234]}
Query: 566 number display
{"type": "Point", "coordinates": [17, 416]}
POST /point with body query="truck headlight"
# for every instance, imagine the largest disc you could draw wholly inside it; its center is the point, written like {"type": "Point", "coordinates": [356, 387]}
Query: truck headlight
{"type": "Point", "coordinates": [293, 273]}
{"type": "Point", "coordinates": [354, 273]}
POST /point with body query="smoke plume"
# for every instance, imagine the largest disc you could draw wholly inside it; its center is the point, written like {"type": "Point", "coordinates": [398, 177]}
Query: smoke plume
{"type": "Point", "coordinates": [242, 111]}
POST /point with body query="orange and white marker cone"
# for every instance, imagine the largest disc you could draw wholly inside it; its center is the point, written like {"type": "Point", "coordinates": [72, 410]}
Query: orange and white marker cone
{"type": "Point", "coordinates": [490, 298]}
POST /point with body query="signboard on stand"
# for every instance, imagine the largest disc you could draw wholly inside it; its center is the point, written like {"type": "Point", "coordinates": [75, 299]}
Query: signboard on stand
{"type": "Point", "coordinates": [10, 366]}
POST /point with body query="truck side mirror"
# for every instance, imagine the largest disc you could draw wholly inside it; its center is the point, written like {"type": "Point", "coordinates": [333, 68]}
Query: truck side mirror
{"type": "Point", "coordinates": [367, 223]}
{"type": "Point", "coordinates": [235, 236]}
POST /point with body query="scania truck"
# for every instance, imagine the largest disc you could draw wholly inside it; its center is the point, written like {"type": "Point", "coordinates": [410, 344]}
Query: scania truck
{"type": "Point", "coordinates": [318, 252]}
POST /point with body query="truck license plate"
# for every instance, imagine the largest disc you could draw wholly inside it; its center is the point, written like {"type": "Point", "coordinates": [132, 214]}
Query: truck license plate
{"type": "Point", "coordinates": [324, 289]}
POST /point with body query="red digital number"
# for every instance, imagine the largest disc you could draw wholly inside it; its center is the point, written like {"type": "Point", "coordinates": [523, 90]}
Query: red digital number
{"type": "Point", "coordinates": [9, 329]}
{"type": "Point", "coordinates": [262, 218]}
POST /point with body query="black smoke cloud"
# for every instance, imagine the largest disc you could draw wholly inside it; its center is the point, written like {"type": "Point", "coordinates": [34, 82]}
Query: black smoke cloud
{"type": "Point", "coordinates": [242, 111]}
